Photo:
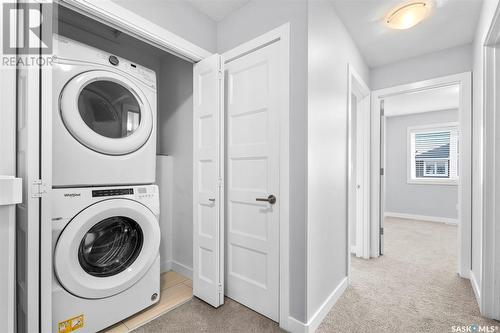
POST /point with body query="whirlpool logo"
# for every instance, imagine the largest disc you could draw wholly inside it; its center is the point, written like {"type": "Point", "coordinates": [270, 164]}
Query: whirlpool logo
{"type": "Point", "coordinates": [72, 195]}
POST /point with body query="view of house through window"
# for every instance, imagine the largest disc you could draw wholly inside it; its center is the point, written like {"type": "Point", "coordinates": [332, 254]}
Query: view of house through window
{"type": "Point", "coordinates": [433, 154]}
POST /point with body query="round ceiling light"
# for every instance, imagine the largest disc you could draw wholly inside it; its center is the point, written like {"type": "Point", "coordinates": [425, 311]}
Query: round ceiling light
{"type": "Point", "coordinates": [408, 15]}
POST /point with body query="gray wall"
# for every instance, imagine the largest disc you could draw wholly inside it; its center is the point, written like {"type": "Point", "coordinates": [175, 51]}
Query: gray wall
{"type": "Point", "coordinates": [175, 138]}
{"type": "Point", "coordinates": [416, 199]}
{"type": "Point", "coordinates": [331, 49]}
{"type": "Point", "coordinates": [246, 23]}
{"type": "Point", "coordinates": [446, 62]}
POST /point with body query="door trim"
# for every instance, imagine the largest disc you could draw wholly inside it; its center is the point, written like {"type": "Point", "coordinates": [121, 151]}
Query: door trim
{"type": "Point", "coordinates": [357, 87]}
{"type": "Point", "coordinates": [465, 184]}
{"type": "Point", "coordinates": [279, 35]}
{"type": "Point", "coordinates": [488, 291]}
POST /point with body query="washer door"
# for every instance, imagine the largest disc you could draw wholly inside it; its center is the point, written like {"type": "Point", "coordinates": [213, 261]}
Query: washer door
{"type": "Point", "coordinates": [106, 248]}
{"type": "Point", "coordinates": [106, 112]}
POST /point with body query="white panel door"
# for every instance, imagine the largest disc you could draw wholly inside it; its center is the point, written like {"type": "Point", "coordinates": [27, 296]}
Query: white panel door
{"type": "Point", "coordinates": [252, 217]}
{"type": "Point", "coordinates": [208, 261]}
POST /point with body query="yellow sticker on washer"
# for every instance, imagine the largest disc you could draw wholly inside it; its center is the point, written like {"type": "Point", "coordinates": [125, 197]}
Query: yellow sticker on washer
{"type": "Point", "coordinates": [71, 325]}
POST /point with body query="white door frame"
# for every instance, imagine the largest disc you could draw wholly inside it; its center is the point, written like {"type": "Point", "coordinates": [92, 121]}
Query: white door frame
{"type": "Point", "coordinates": [358, 88]}
{"type": "Point", "coordinates": [279, 35]}
{"type": "Point", "coordinates": [489, 294]}
{"type": "Point", "coordinates": [465, 167]}
{"type": "Point", "coordinates": [11, 190]}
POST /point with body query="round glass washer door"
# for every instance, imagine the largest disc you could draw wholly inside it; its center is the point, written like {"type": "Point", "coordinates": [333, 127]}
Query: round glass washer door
{"type": "Point", "coordinates": [106, 112]}
{"type": "Point", "coordinates": [106, 248]}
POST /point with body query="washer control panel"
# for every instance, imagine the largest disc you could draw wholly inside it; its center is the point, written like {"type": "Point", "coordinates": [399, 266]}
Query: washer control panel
{"type": "Point", "coordinates": [69, 201]}
{"type": "Point", "coordinates": [112, 192]}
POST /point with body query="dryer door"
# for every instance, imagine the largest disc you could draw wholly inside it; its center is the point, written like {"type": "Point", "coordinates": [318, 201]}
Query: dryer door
{"type": "Point", "coordinates": [106, 248]}
{"type": "Point", "coordinates": [106, 112]}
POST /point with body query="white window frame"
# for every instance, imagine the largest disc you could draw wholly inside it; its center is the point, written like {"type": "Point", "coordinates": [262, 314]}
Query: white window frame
{"type": "Point", "coordinates": [454, 179]}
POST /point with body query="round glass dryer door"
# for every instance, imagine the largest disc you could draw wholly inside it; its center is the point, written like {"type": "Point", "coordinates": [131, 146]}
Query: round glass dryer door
{"type": "Point", "coordinates": [109, 109]}
{"type": "Point", "coordinates": [106, 112]}
{"type": "Point", "coordinates": [106, 248]}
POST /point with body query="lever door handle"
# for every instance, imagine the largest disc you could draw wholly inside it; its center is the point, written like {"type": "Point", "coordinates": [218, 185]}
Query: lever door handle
{"type": "Point", "coordinates": [271, 199]}
{"type": "Point", "coordinates": [211, 199]}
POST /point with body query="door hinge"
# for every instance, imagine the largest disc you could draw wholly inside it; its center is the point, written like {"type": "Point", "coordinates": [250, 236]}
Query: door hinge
{"type": "Point", "coordinates": [382, 112]}
{"type": "Point", "coordinates": [219, 288]}
{"type": "Point", "coordinates": [220, 182]}
{"type": "Point", "coordinates": [38, 189]}
{"type": "Point", "coordinates": [381, 171]}
{"type": "Point", "coordinates": [381, 231]}
{"type": "Point", "coordinates": [220, 74]}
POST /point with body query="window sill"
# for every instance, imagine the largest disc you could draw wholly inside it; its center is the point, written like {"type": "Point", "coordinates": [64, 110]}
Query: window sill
{"type": "Point", "coordinates": [450, 182]}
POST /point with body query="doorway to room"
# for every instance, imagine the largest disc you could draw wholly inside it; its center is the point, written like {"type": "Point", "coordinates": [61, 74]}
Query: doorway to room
{"type": "Point", "coordinates": [421, 139]}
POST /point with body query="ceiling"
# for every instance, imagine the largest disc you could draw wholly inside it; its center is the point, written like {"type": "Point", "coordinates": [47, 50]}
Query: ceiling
{"type": "Point", "coordinates": [217, 10]}
{"type": "Point", "coordinates": [443, 98]}
{"type": "Point", "coordinates": [451, 23]}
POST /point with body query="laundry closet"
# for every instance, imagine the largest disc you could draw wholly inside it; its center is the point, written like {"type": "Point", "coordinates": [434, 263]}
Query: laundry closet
{"type": "Point", "coordinates": [162, 159]}
{"type": "Point", "coordinates": [174, 129]}
{"type": "Point", "coordinates": [171, 79]}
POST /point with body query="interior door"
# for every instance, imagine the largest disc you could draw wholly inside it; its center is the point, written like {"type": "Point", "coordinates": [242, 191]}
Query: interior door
{"type": "Point", "coordinates": [208, 260]}
{"type": "Point", "coordinates": [252, 180]}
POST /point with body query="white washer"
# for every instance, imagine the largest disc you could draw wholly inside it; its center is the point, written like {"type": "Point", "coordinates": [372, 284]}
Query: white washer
{"type": "Point", "coordinates": [104, 119]}
{"type": "Point", "coordinates": [106, 259]}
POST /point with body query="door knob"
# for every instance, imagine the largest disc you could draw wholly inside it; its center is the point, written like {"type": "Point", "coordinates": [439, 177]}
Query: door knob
{"type": "Point", "coordinates": [271, 199]}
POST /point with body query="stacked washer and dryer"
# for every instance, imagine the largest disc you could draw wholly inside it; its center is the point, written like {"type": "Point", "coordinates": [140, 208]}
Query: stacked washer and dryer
{"type": "Point", "coordinates": [105, 231]}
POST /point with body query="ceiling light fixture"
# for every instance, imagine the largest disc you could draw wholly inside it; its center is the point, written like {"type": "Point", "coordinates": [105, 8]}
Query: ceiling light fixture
{"type": "Point", "coordinates": [408, 15]}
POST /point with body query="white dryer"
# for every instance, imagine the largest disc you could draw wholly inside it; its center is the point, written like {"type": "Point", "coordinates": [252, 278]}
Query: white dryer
{"type": "Point", "coordinates": [104, 118]}
{"type": "Point", "coordinates": [106, 259]}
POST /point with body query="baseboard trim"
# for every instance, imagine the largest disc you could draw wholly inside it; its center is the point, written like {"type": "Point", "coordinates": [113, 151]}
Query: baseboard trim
{"type": "Point", "coordinates": [296, 326]}
{"type": "Point", "coordinates": [165, 265]}
{"type": "Point", "coordinates": [327, 305]}
{"type": "Point", "coordinates": [476, 289]}
{"type": "Point", "coordinates": [182, 269]}
{"type": "Point", "coordinates": [426, 218]}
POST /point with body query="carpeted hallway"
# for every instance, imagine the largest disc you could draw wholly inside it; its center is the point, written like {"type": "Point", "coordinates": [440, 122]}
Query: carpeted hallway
{"type": "Point", "coordinates": [414, 287]}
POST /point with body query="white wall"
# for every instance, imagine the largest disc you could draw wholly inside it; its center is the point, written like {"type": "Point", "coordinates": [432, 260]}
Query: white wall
{"type": "Point", "coordinates": [446, 62]}
{"type": "Point", "coordinates": [179, 17]}
{"type": "Point", "coordinates": [175, 138]}
{"type": "Point", "coordinates": [248, 22]}
{"type": "Point", "coordinates": [330, 50]}
{"type": "Point", "coordinates": [432, 200]}
{"type": "Point", "coordinates": [489, 7]}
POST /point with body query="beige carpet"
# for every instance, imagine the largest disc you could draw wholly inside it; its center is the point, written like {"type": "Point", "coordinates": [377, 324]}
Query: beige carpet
{"type": "Point", "coordinates": [414, 287]}
{"type": "Point", "coordinates": [198, 316]}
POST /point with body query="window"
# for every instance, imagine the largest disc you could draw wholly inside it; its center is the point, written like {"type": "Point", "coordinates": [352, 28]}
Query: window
{"type": "Point", "coordinates": [433, 154]}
